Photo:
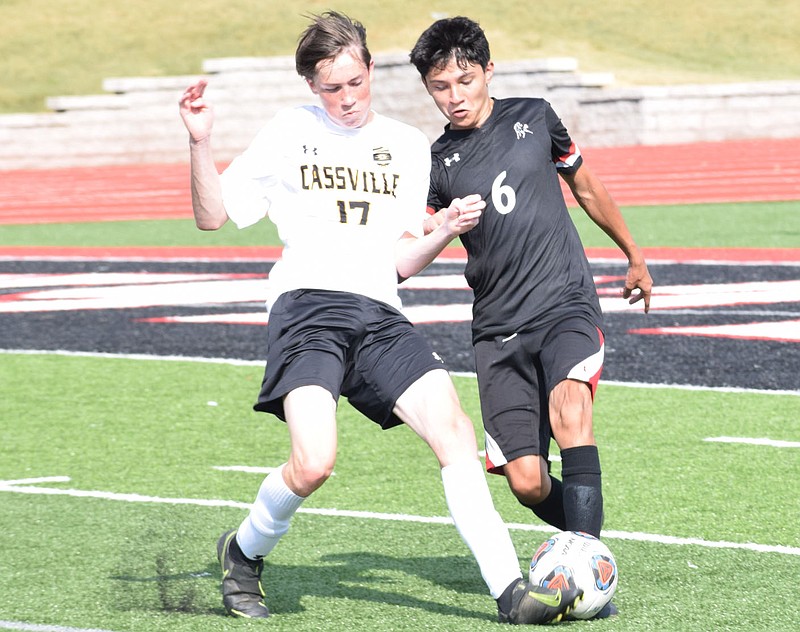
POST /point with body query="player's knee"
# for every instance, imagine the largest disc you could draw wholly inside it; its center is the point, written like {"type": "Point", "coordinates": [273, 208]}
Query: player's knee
{"type": "Point", "coordinates": [452, 439]}
{"type": "Point", "coordinates": [528, 480]}
{"type": "Point", "coordinates": [312, 480]}
{"type": "Point", "coordinates": [459, 428]}
{"type": "Point", "coordinates": [309, 474]}
{"type": "Point", "coordinates": [529, 491]}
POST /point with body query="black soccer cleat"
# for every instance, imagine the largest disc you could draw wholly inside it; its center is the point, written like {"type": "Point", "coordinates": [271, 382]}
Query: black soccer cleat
{"type": "Point", "coordinates": [609, 610]}
{"type": "Point", "coordinates": [532, 604]}
{"type": "Point", "coordinates": [242, 593]}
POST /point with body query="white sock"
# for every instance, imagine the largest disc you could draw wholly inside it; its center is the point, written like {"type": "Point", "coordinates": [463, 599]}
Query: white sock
{"type": "Point", "coordinates": [269, 516]}
{"type": "Point", "coordinates": [479, 524]}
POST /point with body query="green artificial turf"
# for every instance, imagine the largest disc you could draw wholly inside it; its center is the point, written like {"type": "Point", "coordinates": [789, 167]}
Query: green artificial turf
{"type": "Point", "coordinates": [128, 544]}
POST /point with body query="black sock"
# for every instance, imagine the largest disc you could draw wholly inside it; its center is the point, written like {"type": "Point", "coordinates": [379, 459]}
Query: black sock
{"type": "Point", "coordinates": [551, 509]}
{"type": "Point", "coordinates": [583, 496]}
{"type": "Point", "coordinates": [504, 600]}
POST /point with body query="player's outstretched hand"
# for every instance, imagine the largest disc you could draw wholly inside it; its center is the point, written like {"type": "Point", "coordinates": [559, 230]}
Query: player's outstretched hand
{"type": "Point", "coordinates": [638, 278]}
{"type": "Point", "coordinates": [196, 111]}
{"type": "Point", "coordinates": [463, 214]}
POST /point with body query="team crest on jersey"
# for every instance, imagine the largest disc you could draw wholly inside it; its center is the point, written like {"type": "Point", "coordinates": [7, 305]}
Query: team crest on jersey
{"type": "Point", "coordinates": [521, 129]}
{"type": "Point", "coordinates": [382, 156]}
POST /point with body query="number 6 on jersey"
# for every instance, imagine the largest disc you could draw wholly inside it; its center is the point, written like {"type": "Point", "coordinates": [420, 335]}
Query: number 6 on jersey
{"type": "Point", "coordinates": [504, 197]}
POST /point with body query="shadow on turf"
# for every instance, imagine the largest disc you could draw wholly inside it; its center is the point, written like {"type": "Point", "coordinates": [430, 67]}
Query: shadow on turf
{"type": "Point", "coordinates": [182, 592]}
{"type": "Point", "coordinates": [366, 577]}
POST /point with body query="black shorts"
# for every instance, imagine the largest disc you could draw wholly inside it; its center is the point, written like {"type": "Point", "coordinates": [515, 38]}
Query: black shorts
{"type": "Point", "coordinates": [516, 374]}
{"type": "Point", "coordinates": [346, 343]}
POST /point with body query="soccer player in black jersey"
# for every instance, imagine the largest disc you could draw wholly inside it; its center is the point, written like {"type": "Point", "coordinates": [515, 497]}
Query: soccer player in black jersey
{"type": "Point", "coordinates": [537, 325]}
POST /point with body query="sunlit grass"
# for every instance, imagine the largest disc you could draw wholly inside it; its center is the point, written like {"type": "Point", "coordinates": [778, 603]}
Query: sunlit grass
{"type": "Point", "coordinates": [52, 48]}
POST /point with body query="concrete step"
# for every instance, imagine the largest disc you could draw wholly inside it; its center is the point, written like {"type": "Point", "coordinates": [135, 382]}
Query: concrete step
{"type": "Point", "coordinates": [136, 118]}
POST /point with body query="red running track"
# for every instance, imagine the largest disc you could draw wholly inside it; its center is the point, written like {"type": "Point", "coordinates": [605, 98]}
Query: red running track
{"type": "Point", "coordinates": [762, 256]}
{"type": "Point", "coordinates": [748, 170]}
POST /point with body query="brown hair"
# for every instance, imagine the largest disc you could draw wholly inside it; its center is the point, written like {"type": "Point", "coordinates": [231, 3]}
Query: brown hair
{"type": "Point", "coordinates": [328, 35]}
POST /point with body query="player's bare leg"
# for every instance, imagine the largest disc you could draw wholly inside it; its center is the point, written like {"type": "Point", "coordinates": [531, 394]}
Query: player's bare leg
{"type": "Point", "coordinates": [431, 408]}
{"type": "Point", "coordinates": [571, 420]}
{"type": "Point", "coordinates": [310, 414]}
{"type": "Point", "coordinates": [534, 487]}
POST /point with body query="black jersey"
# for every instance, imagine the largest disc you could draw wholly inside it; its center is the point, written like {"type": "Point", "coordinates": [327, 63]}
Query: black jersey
{"type": "Point", "coordinates": [526, 264]}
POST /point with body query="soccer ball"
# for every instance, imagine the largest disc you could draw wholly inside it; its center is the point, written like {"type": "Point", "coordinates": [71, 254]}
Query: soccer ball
{"type": "Point", "coordinates": [577, 559]}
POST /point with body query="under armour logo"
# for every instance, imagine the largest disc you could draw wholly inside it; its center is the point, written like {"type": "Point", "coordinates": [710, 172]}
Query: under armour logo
{"type": "Point", "coordinates": [454, 158]}
{"type": "Point", "coordinates": [306, 150]}
{"type": "Point", "coordinates": [521, 129]}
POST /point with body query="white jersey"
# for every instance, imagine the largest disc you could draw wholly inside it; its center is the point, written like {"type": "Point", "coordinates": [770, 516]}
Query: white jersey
{"type": "Point", "coordinates": [340, 197]}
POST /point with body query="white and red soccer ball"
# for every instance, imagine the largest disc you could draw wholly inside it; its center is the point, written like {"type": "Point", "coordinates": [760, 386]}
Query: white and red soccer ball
{"type": "Point", "coordinates": [577, 559]}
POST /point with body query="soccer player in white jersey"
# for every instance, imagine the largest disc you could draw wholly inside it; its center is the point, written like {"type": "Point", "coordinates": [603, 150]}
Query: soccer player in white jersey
{"type": "Point", "coordinates": [347, 190]}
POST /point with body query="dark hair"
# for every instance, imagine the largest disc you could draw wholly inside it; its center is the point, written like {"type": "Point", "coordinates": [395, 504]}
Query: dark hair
{"type": "Point", "coordinates": [328, 35]}
{"type": "Point", "coordinates": [457, 37]}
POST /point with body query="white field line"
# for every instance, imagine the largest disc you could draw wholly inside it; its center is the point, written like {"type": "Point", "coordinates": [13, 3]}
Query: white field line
{"type": "Point", "coordinates": [21, 486]}
{"type": "Point", "coordinates": [773, 443]}
{"type": "Point", "coordinates": [260, 363]}
{"type": "Point", "coordinates": [249, 469]}
{"type": "Point", "coordinates": [31, 627]}
{"type": "Point", "coordinates": [692, 387]}
{"type": "Point", "coordinates": [553, 458]}
{"type": "Point", "coordinates": [132, 356]}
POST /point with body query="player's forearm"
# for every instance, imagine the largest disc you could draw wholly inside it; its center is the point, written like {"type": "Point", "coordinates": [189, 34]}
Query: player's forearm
{"type": "Point", "coordinates": [412, 255]}
{"type": "Point", "coordinates": [601, 208]}
{"type": "Point", "coordinates": [209, 211]}
{"type": "Point", "coordinates": [609, 218]}
{"type": "Point", "coordinates": [433, 221]}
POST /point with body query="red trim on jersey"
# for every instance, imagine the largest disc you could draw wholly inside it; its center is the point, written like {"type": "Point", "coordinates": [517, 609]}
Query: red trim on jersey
{"type": "Point", "coordinates": [595, 379]}
{"type": "Point", "coordinates": [568, 159]}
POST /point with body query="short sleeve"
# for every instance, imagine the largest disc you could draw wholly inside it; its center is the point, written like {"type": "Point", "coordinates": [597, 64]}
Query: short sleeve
{"type": "Point", "coordinates": [436, 195]}
{"type": "Point", "coordinates": [565, 153]}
